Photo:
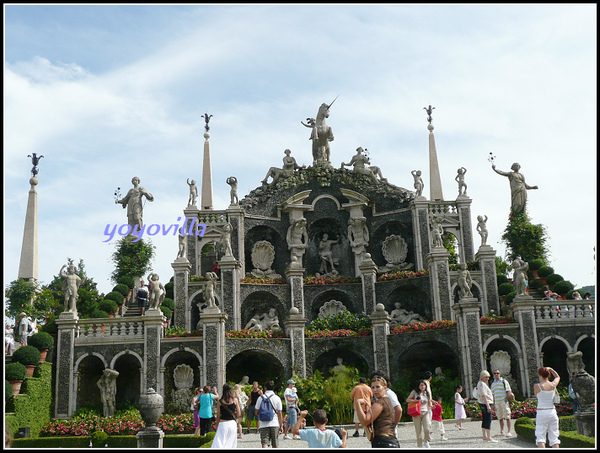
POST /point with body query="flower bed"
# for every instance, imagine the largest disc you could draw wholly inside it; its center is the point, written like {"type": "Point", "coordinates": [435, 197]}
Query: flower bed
{"type": "Point", "coordinates": [180, 332]}
{"type": "Point", "coordinates": [339, 333]}
{"type": "Point", "coordinates": [518, 409]}
{"type": "Point", "coordinates": [197, 278]}
{"type": "Point", "coordinates": [245, 333]}
{"type": "Point", "coordinates": [312, 280]}
{"type": "Point", "coordinates": [420, 326]}
{"type": "Point", "coordinates": [496, 320]}
{"type": "Point", "coordinates": [402, 275]}
{"type": "Point", "coordinates": [263, 281]}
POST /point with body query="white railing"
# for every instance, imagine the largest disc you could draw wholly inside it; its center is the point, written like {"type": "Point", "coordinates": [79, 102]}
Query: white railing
{"type": "Point", "coordinates": [564, 310]}
{"type": "Point", "coordinates": [110, 329]}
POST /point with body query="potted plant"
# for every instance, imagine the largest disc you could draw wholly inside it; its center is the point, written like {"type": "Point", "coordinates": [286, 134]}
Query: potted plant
{"type": "Point", "coordinates": [535, 265]}
{"type": "Point", "coordinates": [109, 306]}
{"type": "Point", "coordinates": [43, 341]}
{"type": "Point", "coordinates": [28, 356]}
{"type": "Point", "coordinates": [562, 287]}
{"type": "Point", "coordinates": [15, 373]}
{"type": "Point", "coordinates": [99, 314]}
{"type": "Point", "coordinates": [166, 311]}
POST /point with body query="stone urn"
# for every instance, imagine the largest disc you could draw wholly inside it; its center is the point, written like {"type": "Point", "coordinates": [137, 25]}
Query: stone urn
{"type": "Point", "coordinates": [151, 407]}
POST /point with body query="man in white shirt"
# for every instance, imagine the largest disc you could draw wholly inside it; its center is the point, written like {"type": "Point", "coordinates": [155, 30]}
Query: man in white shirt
{"type": "Point", "coordinates": [270, 429]}
{"type": "Point", "coordinates": [291, 404]}
{"type": "Point", "coordinates": [502, 393]}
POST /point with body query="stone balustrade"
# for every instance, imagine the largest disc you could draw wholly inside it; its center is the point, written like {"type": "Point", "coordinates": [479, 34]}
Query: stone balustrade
{"type": "Point", "coordinates": [563, 310]}
{"type": "Point", "coordinates": [109, 329]}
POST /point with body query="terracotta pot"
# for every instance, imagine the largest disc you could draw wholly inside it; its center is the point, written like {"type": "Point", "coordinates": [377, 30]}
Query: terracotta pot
{"type": "Point", "coordinates": [43, 354]}
{"type": "Point", "coordinates": [30, 370]}
{"type": "Point", "coordinates": [111, 315]}
{"type": "Point", "coordinates": [16, 386]}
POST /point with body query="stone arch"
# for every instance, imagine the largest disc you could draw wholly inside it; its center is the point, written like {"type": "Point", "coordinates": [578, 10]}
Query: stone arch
{"type": "Point", "coordinates": [412, 298]}
{"type": "Point", "coordinates": [131, 379]}
{"type": "Point", "coordinates": [553, 353]}
{"type": "Point", "coordinates": [333, 294]}
{"type": "Point", "coordinates": [476, 289]}
{"type": "Point", "coordinates": [267, 233]}
{"type": "Point", "coordinates": [259, 302]}
{"type": "Point", "coordinates": [382, 232]}
{"type": "Point", "coordinates": [88, 369]}
{"type": "Point", "coordinates": [325, 197]}
{"type": "Point", "coordinates": [259, 365]}
{"type": "Point", "coordinates": [180, 356]}
{"type": "Point", "coordinates": [587, 345]}
{"type": "Point", "coordinates": [342, 251]}
{"type": "Point", "coordinates": [207, 255]}
{"type": "Point", "coordinates": [349, 355]}
{"type": "Point", "coordinates": [424, 356]}
{"type": "Point", "coordinates": [508, 344]}
{"type": "Point", "coordinates": [198, 298]}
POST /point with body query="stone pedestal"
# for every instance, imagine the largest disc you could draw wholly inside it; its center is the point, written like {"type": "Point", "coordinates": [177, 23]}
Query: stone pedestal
{"type": "Point", "coordinates": [213, 325]}
{"type": "Point", "coordinates": [523, 310]}
{"type": "Point", "coordinates": [467, 314]}
{"type": "Point", "coordinates": [230, 292]}
{"type": "Point", "coordinates": [368, 273]}
{"type": "Point", "coordinates": [487, 264]}
{"type": "Point", "coordinates": [66, 384]}
{"type": "Point", "coordinates": [183, 315]}
{"type": "Point", "coordinates": [381, 329]}
{"type": "Point", "coordinates": [151, 406]}
{"type": "Point", "coordinates": [153, 332]}
{"type": "Point", "coordinates": [586, 423]}
{"type": "Point", "coordinates": [150, 438]}
{"type": "Point", "coordinates": [465, 241]}
{"type": "Point", "coordinates": [439, 279]}
{"type": "Point", "coordinates": [295, 277]}
{"type": "Point", "coordinates": [294, 327]}
{"type": "Point", "coordinates": [419, 207]}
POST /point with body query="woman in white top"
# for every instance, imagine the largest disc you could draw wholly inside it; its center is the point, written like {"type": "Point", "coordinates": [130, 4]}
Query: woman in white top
{"type": "Point", "coordinates": [486, 399]}
{"type": "Point", "coordinates": [546, 419]}
{"type": "Point", "coordinates": [422, 421]}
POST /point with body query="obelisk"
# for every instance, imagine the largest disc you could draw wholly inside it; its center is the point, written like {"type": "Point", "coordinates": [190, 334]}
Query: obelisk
{"type": "Point", "coordinates": [435, 182]}
{"type": "Point", "coordinates": [207, 187]}
{"type": "Point", "coordinates": [28, 265]}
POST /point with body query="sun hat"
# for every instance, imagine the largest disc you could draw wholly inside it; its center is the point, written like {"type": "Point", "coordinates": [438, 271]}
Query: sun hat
{"type": "Point", "coordinates": [291, 381]}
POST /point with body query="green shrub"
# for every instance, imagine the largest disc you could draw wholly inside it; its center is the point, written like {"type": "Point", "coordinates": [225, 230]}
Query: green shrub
{"type": "Point", "coordinates": [7, 390]}
{"type": "Point", "coordinates": [505, 288]}
{"type": "Point", "coordinates": [109, 306]}
{"type": "Point", "coordinates": [510, 297]}
{"type": "Point", "coordinates": [27, 355]}
{"type": "Point", "coordinates": [15, 371]}
{"type": "Point", "coordinates": [50, 326]}
{"type": "Point", "coordinates": [563, 287]}
{"type": "Point", "coordinates": [122, 288]}
{"type": "Point", "coordinates": [553, 279]}
{"type": "Point", "coordinates": [501, 278]}
{"type": "Point", "coordinates": [116, 296]}
{"type": "Point", "coordinates": [41, 340]}
{"type": "Point", "coordinates": [567, 423]}
{"type": "Point", "coordinates": [535, 284]}
{"type": "Point", "coordinates": [544, 271]}
{"type": "Point", "coordinates": [127, 281]}
{"type": "Point", "coordinates": [536, 264]}
{"type": "Point", "coordinates": [99, 439]}
{"type": "Point", "coordinates": [169, 303]}
{"type": "Point", "coordinates": [166, 311]}
{"type": "Point", "coordinates": [343, 320]}
{"type": "Point", "coordinates": [99, 314]}
{"type": "Point", "coordinates": [570, 439]}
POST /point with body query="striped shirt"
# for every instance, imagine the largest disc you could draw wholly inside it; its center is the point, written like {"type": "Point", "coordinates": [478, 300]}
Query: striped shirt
{"type": "Point", "coordinates": [499, 391]}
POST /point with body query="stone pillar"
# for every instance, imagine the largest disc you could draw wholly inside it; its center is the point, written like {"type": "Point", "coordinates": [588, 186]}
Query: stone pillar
{"type": "Point", "coordinates": [465, 241]}
{"type": "Point", "coordinates": [183, 310]}
{"type": "Point", "coordinates": [381, 330]}
{"type": "Point", "coordinates": [368, 274]}
{"type": "Point", "coordinates": [153, 332]}
{"type": "Point", "coordinates": [439, 279]}
{"type": "Point", "coordinates": [435, 182]}
{"type": "Point", "coordinates": [523, 309]}
{"type": "Point", "coordinates": [191, 228]}
{"type": "Point", "coordinates": [295, 277]}
{"type": "Point", "coordinates": [420, 219]}
{"type": "Point", "coordinates": [487, 264]}
{"type": "Point", "coordinates": [230, 292]}
{"type": "Point", "coordinates": [294, 327]}
{"type": "Point", "coordinates": [65, 396]}
{"type": "Point", "coordinates": [213, 326]}
{"type": "Point", "coordinates": [467, 314]}
{"type": "Point", "coordinates": [235, 215]}
{"type": "Point", "coordinates": [28, 264]}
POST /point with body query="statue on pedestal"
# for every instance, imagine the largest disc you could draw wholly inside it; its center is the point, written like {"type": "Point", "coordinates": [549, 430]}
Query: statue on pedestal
{"type": "Point", "coordinates": [70, 287]}
{"type": "Point", "coordinates": [465, 282]}
{"type": "Point", "coordinates": [133, 202]}
{"type": "Point", "coordinates": [519, 278]}
{"type": "Point", "coordinates": [233, 196]}
{"type": "Point", "coordinates": [418, 183]}
{"type": "Point", "coordinates": [460, 179]}
{"type": "Point", "coordinates": [321, 135]}
{"type": "Point", "coordinates": [482, 228]}
{"type": "Point", "coordinates": [518, 187]}
{"type": "Point", "coordinates": [108, 391]}
{"type": "Point", "coordinates": [297, 238]}
{"type": "Point", "coordinates": [193, 192]}
{"type": "Point", "coordinates": [157, 291]}
{"type": "Point", "coordinates": [360, 161]}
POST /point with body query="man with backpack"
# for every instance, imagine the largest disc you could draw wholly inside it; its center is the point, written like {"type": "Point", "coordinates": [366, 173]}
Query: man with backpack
{"type": "Point", "coordinates": [268, 410]}
{"type": "Point", "coordinates": [142, 298]}
{"type": "Point", "coordinates": [502, 398]}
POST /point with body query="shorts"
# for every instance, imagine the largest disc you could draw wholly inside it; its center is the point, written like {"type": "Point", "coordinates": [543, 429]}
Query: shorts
{"type": "Point", "coordinates": [502, 410]}
{"type": "Point", "coordinates": [268, 436]}
{"type": "Point", "coordinates": [250, 413]}
{"type": "Point", "coordinates": [142, 302]}
{"type": "Point", "coordinates": [292, 414]}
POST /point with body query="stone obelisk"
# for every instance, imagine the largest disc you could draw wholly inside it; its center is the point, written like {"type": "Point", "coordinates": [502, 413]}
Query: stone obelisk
{"type": "Point", "coordinates": [28, 265]}
{"type": "Point", "coordinates": [207, 187]}
{"type": "Point", "coordinates": [435, 182]}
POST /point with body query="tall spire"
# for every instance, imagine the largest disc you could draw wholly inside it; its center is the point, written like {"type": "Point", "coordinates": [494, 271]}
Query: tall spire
{"type": "Point", "coordinates": [435, 182]}
{"type": "Point", "coordinates": [207, 187]}
{"type": "Point", "coordinates": [28, 264]}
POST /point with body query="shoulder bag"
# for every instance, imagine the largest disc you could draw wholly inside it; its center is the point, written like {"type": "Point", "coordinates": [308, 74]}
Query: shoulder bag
{"type": "Point", "coordinates": [414, 409]}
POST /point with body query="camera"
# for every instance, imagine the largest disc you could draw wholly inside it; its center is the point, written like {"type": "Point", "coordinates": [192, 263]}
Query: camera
{"type": "Point", "coordinates": [418, 397]}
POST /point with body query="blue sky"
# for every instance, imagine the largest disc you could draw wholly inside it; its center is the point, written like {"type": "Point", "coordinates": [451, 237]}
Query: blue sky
{"type": "Point", "coordinates": [108, 92]}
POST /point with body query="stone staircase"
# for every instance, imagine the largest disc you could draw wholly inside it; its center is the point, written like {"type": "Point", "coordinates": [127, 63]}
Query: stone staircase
{"type": "Point", "coordinates": [131, 307]}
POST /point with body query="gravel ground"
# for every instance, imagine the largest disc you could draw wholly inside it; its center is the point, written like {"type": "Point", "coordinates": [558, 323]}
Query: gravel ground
{"type": "Point", "coordinates": [468, 438]}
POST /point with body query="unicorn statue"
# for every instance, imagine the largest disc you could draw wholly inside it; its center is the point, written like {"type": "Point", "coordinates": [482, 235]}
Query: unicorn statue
{"type": "Point", "coordinates": [321, 135]}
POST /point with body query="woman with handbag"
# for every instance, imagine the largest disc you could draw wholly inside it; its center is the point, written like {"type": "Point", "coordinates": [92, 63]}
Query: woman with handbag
{"type": "Point", "coordinates": [228, 411]}
{"type": "Point", "coordinates": [195, 409]}
{"type": "Point", "coordinates": [486, 399]}
{"type": "Point", "coordinates": [546, 419]}
{"type": "Point", "coordinates": [419, 402]}
{"type": "Point", "coordinates": [378, 418]}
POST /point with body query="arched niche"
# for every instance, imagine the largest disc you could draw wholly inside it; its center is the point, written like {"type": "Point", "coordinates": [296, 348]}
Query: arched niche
{"type": "Point", "coordinates": [260, 366]}
{"type": "Point", "coordinates": [129, 381]}
{"type": "Point", "coordinates": [426, 356]}
{"type": "Point", "coordinates": [508, 345]}
{"type": "Point", "coordinates": [381, 233]}
{"type": "Point", "coordinates": [266, 233]}
{"type": "Point", "coordinates": [89, 370]}
{"type": "Point", "coordinates": [179, 357]}
{"type": "Point", "coordinates": [554, 354]}
{"type": "Point", "coordinates": [342, 251]}
{"type": "Point", "coordinates": [260, 302]}
{"type": "Point", "coordinates": [588, 347]}
{"type": "Point", "coordinates": [411, 298]}
{"type": "Point", "coordinates": [208, 255]}
{"type": "Point", "coordinates": [329, 359]}
{"type": "Point", "coordinates": [333, 294]}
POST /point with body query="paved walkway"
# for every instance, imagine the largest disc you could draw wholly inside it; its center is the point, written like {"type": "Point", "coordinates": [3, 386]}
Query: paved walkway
{"type": "Point", "coordinates": [468, 438]}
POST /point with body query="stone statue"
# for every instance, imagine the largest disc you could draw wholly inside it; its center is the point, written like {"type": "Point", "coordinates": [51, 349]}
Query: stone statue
{"type": "Point", "coordinates": [321, 135]}
{"type": "Point", "coordinates": [233, 182]}
{"type": "Point", "coordinates": [297, 238]}
{"type": "Point", "coordinates": [360, 161]}
{"type": "Point", "coordinates": [518, 187]}
{"type": "Point", "coordinates": [482, 228]}
{"type": "Point", "coordinates": [263, 255]}
{"type": "Point", "coordinates": [582, 382]}
{"type": "Point", "coordinates": [70, 287]}
{"type": "Point", "coordinates": [400, 316]}
{"type": "Point", "coordinates": [226, 239]}
{"type": "Point", "coordinates": [437, 231]}
{"type": "Point", "coordinates": [133, 202]}
{"type": "Point", "coordinates": [209, 289]}
{"type": "Point", "coordinates": [519, 278]}
{"type": "Point", "coordinates": [157, 291]}
{"type": "Point", "coordinates": [245, 381]}
{"type": "Point", "coordinates": [193, 192]}
{"type": "Point", "coordinates": [460, 179]}
{"type": "Point", "coordinates": [465, 282]}
{"type": "Point", "coordinates": [266, 321]}
{"type": "Point", "coordinates": [35, 160]}
{"type": "Point", "coordinates": [108, 391]}
{"type": "Point", "coordinates": [182, 246]}
{"type": "Point", "coordinates": [418, 182]}
{"type": "Point", "coordinates": [394, 251]}
{"type": "Point", "coordinates": [289, 165]}
{"type": "Point", "coordinates": [440, 374]}
{"type": "Point", "coordinates": [183, 378]}
{"type": "Point", "coordinates": [326, 254]}
{"type": "Point", "coordinates": [358, 233]}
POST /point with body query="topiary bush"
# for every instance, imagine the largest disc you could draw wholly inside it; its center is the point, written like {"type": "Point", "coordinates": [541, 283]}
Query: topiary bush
{"type": "Point", "coordinates": [27, 355]}
{"type": "Point", "coordinates": [501, 278]}
{"type": "Point", "coordinates": [127, 281]}
{"type": "Point", "coordinates": [505, 289]}
{"type": "Point", "coordinates": [115, 296]}
{"type": "Point", "coordinates": [109, 306]}
{"type": "Point", "coordinates": [99, 439]}
{"type": "Point", "coordinates": [510, 297]}
{"type": "Point", "coordinates": [15, 371]}
{"type": "Point", "coordinates": [99, 314]}
{"type": "Point", "coordinates": [166, 311]}
{"type": "Point", "coordinates": [544, 271]}
{"type": "Point", "coordinates": [536, 264]}
{"type": "Point", "coordinates": [8, 390]}
{"type": "Point", "coordinates": [553, 279]}
{"type": "Point", "coordinates": [41, 341]}
{"type": "Point", "coordinates": [170, 303]}
{"type": "Point", "coordinates": [122, 288]}
{"type": "Point", "coordinates": [563, 287]}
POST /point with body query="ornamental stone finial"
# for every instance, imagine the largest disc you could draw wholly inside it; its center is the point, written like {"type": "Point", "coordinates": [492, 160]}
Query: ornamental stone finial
{"type": "Point", "coordinates": [35, 160]}
{"type": "Point", "coordinates": [429, 111]}
{"type": "Point", "coordinates": [207, 118]}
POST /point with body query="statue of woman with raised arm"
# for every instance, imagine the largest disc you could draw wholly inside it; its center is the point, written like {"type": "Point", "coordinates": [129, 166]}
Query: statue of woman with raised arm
{"type": "Point", "coordinates": [518, 187]}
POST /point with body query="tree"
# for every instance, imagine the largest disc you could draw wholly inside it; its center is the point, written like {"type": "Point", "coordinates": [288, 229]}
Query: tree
{"type": "Point", "coordinates": [132, 259]}
{"type": "Point", "coordinates": [20, 294]}
{"type": "Point", "coordinates": [524, 239]}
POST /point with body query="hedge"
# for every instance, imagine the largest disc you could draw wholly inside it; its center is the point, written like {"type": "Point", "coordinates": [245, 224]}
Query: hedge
{"type": "Point", "coordinates": [525, 428]}
{"type": "Point", "coordinates": [169, 441]}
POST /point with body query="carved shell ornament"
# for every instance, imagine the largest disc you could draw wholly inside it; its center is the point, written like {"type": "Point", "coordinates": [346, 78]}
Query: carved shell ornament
{"type": "Point", "coordinates": [183, 376]}
{"type": "Point", "coordinates": [500, 360]}
{"type": "Point", "coordinates": [333, 307]}
{"type": "Point", "coordinates": [263, 255]}
{"type": "Point", "coordinates": [395, 249]}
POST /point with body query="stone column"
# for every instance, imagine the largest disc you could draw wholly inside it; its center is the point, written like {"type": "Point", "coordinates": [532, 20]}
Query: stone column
{"type": "Point", "coordinates": [295, 277]}
{"type": "Point", "coordinates": [523, 309]}
{"type": "Point", "coordinates": [153, 332]}
{"type": "Point", "coordinates": [230, 292]}
{"type": "Point", "coordinates": [420, 219]}
{"type": "Point", "coordinates": [368, 274]}
{"type": "Point", "coordinates": [65, 396]}
{"type": "Point", "coordinates": [381, 330]}
{"type": "Point", "coordinates": [487, 264]}
{"type": "Point", "coordinates": [467, 314]}
{"type": "Point", "coordinates": [235, 214]}
{"type": "Point", "coordinates": [294, 327]}
{"type": "Point", "coordinates": [213, 326]}
{"type": "Point", "coordinates": [439, 279]}
{"type": "Point", "coordinates": [183, 313]}
{"type": "Point", "coordinates": [465, 241]}
{"type": "Point", "coordinates": [191, 228]}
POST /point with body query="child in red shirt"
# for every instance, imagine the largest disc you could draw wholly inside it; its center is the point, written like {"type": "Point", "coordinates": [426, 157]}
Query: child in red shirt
{"type": "Point", "coordinates": [436, 416]}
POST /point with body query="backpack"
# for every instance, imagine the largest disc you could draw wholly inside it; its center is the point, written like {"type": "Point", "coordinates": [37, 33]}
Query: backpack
{"type": "Point", "coordinates": [475, 393]}
{"type": "Point", "coordinates": [266, 411]}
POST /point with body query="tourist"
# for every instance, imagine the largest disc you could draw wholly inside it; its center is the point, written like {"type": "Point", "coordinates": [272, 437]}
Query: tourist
{"type": "Point", "coordinates": [422, 421]}
{"type": "Point", "coordinates": [228, 411]}
{"type": "Point", "coordinates": [142, 298]}
{"type": "Point", "coordinates": [486, 399]}
{"type": "Point", "coordinates": [427, 377]}
{"type": "Point", "coordinates": [319, 436]}
{"type": "Point", "coordinates": [392, 396]}
{"type": "Point", "coordinates": [587, 296]}
{"type": "Point", "coordinates": [436, 416]}
{"type": "Point", "coordinates": [250, 414]}
{"type": "Point", "coordinates": [380, 415]}
{"type": "Point", "coordinates": [242, 400]}
{"type": "Point", "coordinates": [205, 412]}
{"type": "Point", "coordinates": [573, 394]}
{"type": "Point", "coordinates": [9, 340]}
{"type": "Point", "coordinates": [546, 419]}
{"type": "Point", "coordinates": [362, 390]}
{"type": "Point", "coordinates": [195, 407]}
{"type": "Point", "coordinates": [502, 396]}
{"type": "Point", "coordinates": [23, 324]}
{"type": "Point", "coordinates": [270, 429]}
{"type": "Point", "coordinates": [291, 404]}
{"type": "Point", "coordinates": [459, 407]}
{"type": "Point", "coordinates": [576, 295]}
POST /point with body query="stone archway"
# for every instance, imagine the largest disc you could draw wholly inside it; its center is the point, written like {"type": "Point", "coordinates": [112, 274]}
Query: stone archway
{"type": "Point", "coordinates": [260, 366]}
{"type": "Point", "coordinates": [329, 359]}
{"type": "Point", "coordinates": [89, 371]}
{"type": "Point", "coordinates": [411, 298]}
{"type": "Point", "coordinates": [554, 353]}
{"type": "Point", "coordinates": [259, 302]}
{"type": "Point", "coordinates": [129, 380]}
{"type": "Point", "coordinates": [172, 394]}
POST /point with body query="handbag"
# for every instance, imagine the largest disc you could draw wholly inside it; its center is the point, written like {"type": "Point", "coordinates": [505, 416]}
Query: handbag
{"type": "Point", "coordinates": [369, 432]}
{"type": "Point", "coordinates": [556, 399]}
{"type": "Point", "coordinates": [414, 409]}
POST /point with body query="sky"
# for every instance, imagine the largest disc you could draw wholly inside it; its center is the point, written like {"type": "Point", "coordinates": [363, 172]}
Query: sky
{"type": "Point", "coordinates": [109, 92]}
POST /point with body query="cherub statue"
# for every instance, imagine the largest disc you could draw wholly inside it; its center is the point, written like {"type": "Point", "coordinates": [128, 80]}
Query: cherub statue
{"type": "Point", "coordinates": [465, 282]}
{"type": "Point", "coordinates": [418, 182]}
{"type": "Point", "coordinates": [482, 228]}
{"type": "Point", "coordinates": [233, 182]}
{"type": "Point", "coordinates": [157, 291]}
{"type": "Point", "coordinates": [193, 192]}
{"type": "Point", "coordinates": [460, 179]}
{"type": "Point", "coordinates": [209, 289]}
